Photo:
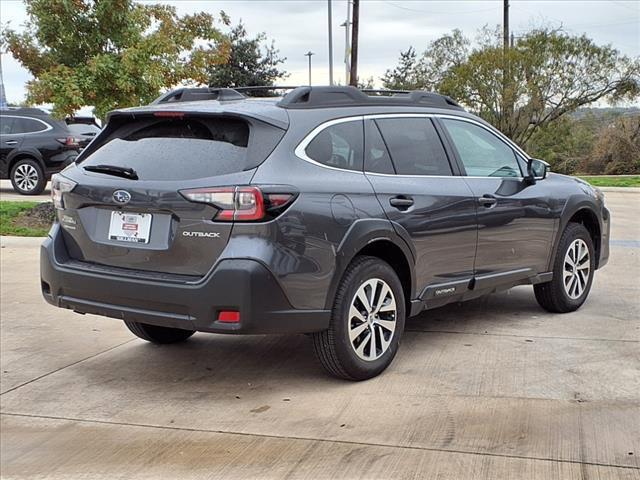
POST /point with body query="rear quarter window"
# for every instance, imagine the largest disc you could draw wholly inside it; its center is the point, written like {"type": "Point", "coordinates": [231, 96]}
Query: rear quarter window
{"type": "Point", "coordinates": [177, 148]}
{"type": "Point", "coordinates": [338, 146]}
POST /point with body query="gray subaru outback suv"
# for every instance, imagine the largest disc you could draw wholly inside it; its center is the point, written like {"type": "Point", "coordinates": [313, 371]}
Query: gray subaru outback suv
{"type": "Point", "coordinates": [328, 211]}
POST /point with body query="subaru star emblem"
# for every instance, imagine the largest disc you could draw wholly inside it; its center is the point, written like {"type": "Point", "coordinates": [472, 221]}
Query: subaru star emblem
{"type": "Point", "coordinates": [121, 197]}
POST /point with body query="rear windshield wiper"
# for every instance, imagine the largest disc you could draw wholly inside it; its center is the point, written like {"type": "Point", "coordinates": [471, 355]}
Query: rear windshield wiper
{"type": "Point", "coordinates": [114, 170]}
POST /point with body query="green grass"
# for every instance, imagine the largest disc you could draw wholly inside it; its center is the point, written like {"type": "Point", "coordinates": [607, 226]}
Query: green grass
{"type": "Point", "coordinates": [9, 212]}
{"type": "Point", "coordinates": [613, 181]}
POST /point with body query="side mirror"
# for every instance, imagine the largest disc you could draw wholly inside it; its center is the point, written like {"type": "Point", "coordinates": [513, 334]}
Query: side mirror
{"type": "Point", "coordinates": [537, 170]}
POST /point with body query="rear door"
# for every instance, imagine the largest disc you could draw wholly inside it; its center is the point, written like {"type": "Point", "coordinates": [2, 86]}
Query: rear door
{"type": "Point", "coordinates": [9, 141]}
{"type": "Point", "coordinates": [419, 190]}
{"type": "Point", "coordinates": [153, 218]}
{"type": "Point", "coordinates": [515, 221]}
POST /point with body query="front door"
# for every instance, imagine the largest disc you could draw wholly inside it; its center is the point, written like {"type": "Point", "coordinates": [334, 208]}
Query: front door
{"type": "Point", "coordinates": [515, 221]}
{"type": "Point", "coordinates": [416, 185]}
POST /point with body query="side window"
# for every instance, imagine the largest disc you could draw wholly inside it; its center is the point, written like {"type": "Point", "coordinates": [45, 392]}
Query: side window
{"type": "Point", "coordinates": [27, 125]}
{"type": "Point", "coordinates": [482, 153]}
{"type": "Point", "coordinates": [6, 124]}
{"type": "Point", "coordinates": [339, 146]}
{"type": "Point", "coordinates": [414, 146]}
{"type": "Point", "coordinates": [376, 155]}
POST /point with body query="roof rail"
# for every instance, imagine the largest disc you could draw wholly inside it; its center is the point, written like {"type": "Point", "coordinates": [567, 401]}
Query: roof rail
{"type": "Point", "coordinates": [259, 87]}
{"type": "Point", "coordinates": [25, 110]}
{"type": "Point", "coordinates": [347, 96]}
{"type": "Point", "coordinates": [203, 93]}
{"type": "Point", "coordinates": [221, 94]}
{"type": "Point", "coordinates": [317, 97]}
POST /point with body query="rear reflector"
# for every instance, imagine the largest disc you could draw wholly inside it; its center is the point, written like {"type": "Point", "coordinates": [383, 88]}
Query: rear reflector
{"type": "Point", "coordinates": [229, 316]}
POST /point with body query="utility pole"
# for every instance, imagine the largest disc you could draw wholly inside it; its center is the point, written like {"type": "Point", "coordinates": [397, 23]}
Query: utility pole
{"type": "Point", "coordinates": [507, 107]}
{"type": "Point", "coordinates": [505, 25]}
{"type": "Point", "coordinates": [353, 76]}
{"type": "Point", "coordinates": [347, 47]}
{"type": "Point", "coordinates": [308, 54]}
{"type": "Point", "coordinates": [330, 42]}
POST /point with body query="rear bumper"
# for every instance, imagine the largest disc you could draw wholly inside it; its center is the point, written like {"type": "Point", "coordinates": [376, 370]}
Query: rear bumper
{"type": "Point", "coordinates": [244, 285]}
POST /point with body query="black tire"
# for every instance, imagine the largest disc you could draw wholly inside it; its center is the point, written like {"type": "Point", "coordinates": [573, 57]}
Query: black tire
{"type": "Point", "coordinates": [552, 296]}
{"type": "Point", "coordinates": [156, 334]}
{"type": "Point", "coordinates": [27, 177]}
{"type": "Point", "coordinates": [334, 348]}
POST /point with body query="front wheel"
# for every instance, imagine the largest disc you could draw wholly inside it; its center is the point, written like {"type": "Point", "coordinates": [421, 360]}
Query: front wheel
{"type": "Point", "coordinates": [27, 177]}
{"type": "Point", "coordinates": [156, 334]}
{"type": "Point", "coordinates": [572, 272]}
{"type": "Point", "coordinates": [367, 321]}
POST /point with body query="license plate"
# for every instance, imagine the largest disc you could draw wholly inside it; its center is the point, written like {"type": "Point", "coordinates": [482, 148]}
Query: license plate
{"type": "Point", "coordinates": [130, 227]}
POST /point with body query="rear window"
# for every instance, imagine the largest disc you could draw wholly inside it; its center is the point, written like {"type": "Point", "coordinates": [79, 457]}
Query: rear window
{"type": "Point", "coordinates": [177, 148]}
{"type": "Point", "coordinates": [83, 129]}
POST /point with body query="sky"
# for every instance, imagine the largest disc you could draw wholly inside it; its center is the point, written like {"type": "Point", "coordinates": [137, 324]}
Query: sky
{"type": "Point", "coordinates": [386, 28]}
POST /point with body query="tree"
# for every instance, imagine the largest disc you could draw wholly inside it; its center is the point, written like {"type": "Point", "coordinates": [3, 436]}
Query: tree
{"type": "Point", "coordinates": [565, 144]}
{"type": "Point", "coordinates": [111, 53]}
{"type": "Point", "coordinates": [428, 72]}
{"type": "Point", "coordinates": [547, 74]}
{"type": "Point", "coordinates": [249, 63]}
{"type": "Point", "coordinates": [405, 75]}
{"type": "Point", "coordinates": [617, 150]}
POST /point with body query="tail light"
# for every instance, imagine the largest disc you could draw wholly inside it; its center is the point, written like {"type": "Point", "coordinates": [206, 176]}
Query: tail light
{"type": "Point", "coordinates": [69, 141]}
{"type": "Point", "coordinates": [59, 186]}
{"type": "Point", "coordinates": [241, 204]}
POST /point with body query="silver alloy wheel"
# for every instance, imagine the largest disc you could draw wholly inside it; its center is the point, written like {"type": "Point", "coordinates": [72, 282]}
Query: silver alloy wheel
{"type": "Point", "coordinates": [26, 177]}
{"type": "Point", "coordinates": [372, 319]}
{"type": "Point", "coordinates": [577, 267]}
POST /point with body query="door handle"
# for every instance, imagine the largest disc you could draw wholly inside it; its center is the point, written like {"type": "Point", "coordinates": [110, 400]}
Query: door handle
{"type": "Point", "coordinates": [11, 142]}
{"type": "Point", "coordinates": [487, 200]}
{"type": "Point", "coordinates": [401, 202]}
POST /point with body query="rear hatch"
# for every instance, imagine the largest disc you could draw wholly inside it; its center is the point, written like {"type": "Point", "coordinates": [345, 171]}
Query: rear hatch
{"type": "Point", "coordinates": [152, 193]}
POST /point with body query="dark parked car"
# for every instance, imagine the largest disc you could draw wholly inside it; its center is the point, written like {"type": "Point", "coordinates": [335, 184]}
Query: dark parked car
{"type": "Point", "coordinates": [33, 146]}
{"type": "Point", "coordinates": [84, 129]}
{"type": "Point", "coordinates": [329, 212]}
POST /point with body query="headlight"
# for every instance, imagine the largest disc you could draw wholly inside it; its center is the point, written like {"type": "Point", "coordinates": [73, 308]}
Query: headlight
{"type": "Point", "coordinates": [59, 186]}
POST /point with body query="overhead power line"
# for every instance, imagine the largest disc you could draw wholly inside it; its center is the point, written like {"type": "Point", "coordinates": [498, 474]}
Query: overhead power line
{"type": "Point", "coordinates": [402, 7]}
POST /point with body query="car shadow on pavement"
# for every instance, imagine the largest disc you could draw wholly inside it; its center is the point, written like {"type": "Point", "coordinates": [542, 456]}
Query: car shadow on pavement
{"type": "Point", "coordinates": [245, 362]}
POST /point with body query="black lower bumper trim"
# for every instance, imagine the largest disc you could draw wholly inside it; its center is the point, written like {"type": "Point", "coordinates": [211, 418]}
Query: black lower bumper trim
{"type": "Point", "coordinates": [243, 285]}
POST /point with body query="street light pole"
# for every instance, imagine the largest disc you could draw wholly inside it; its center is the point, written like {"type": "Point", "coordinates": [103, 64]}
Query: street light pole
{"type": "Point", "coordinates": [3, 97]}
{"type": "Point", "coordinates": [347, 47]}
{"type": "Point", "coordinates": [308, 54]}
{"type": "Point", "coordinates": [330, 42]}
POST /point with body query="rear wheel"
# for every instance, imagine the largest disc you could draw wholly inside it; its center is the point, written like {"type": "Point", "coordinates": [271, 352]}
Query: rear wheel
{"type": "Point", "coordinates": [156, 334]}
{"type": "Point", "coordinates": [572, 272]}
{"type": "Point", "coordinates": [27, 177]}
{"type": "Point", "coordinates": [367, 322]}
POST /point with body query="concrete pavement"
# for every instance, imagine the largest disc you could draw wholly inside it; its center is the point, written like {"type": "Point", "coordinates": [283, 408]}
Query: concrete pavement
{"type": "Point", "coordinates": [494, 388]}
{"type": "Point", "coordinates": [8, 193]}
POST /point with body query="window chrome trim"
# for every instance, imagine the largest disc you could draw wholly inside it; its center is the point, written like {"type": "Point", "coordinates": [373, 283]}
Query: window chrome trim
{"type": "Point", "coordinates": [300, 150]}
{"type": "Point", "coordinates": [302, 146]}
{"type": "Point", "coordinates": [48, 127]}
